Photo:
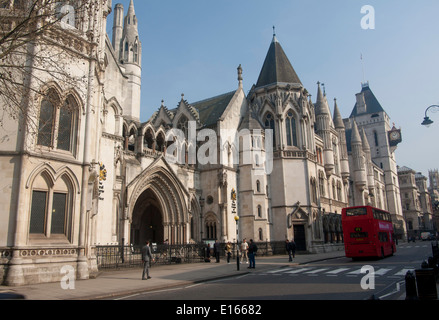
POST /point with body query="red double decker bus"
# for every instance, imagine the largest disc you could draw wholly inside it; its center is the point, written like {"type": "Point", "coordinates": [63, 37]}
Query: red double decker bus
{"type": "Point", "coordinates": [368, 232]}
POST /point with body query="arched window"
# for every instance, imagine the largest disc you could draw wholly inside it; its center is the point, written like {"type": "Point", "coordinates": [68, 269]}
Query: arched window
{"type": "Point", "coordinates": [67, 128]}
{"type": "Point", "coordinates": [258, 186]}
{"type": "Point", "coordinates": [129, 138]}
{"type": "Point", "coordinates": [183, 125]}
{"type": "Point", "coordinates": [321, 184]}
{"type": "Point", "coordinates": [269, 124]}
{"type": "Point", "coordinates": [149, 140]}
{"type": "Point", "coordinates": [290, 123]}
{"type": "Point", "coordinates": [136, 53]}
{"type": "Point", "coordinates": [46, 122]}
{"type": "Point", "coordinates": [339, 189]}
{"type": "Point", "coordinates": [211, 227]}
{"type": "Point", "coordinates": [58, 124]}
{"type": "Point", "coordinates": [259, 212]}
{"type": "Point", "coordinates": [160, 142]}
{"type": "Point", "coordinates": [261, 235]}
{"type": "Point", "coordinates": [313, 190]}
{"type": "Point", "coordinates": [51, 206]}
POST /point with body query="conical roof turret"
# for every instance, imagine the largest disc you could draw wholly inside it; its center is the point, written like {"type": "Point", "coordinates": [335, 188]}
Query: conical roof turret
{"type": "Point", "coordinates": [338, 120]}
{"type": "Point", "coordinates": [277, 67]}
{"type": "Point", "coordinates": [355, 138]}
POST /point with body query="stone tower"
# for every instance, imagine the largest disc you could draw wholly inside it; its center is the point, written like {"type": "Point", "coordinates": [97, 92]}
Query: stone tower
{"type": "Point", "coordinates": [128, 50]}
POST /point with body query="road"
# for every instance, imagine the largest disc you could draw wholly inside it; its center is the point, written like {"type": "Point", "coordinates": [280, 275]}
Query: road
{"type": "Point", "coordinates": [335, 279]}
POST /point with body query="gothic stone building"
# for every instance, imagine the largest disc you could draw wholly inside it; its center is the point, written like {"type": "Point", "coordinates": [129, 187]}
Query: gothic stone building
{"type": "Point", "coordinates": [95, 174]}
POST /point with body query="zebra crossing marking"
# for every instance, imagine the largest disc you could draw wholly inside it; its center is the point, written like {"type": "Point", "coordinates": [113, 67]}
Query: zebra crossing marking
{"type": "Point", "coordinates": [298, 270]}
{"type": "Point", "coordinates": [339, 271]}
{"type": "Point", "coordinates": [316, 271]}
{"type": "Point", "coordinates": [382, 271]}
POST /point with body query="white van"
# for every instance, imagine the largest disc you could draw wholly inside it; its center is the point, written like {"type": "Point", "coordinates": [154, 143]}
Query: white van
{"type": "Point", "coordinates": [425, 236]}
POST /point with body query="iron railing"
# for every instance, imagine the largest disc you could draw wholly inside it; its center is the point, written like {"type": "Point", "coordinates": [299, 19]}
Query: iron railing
{"type": "Point", "coordinates": [114, 256]}
{"type": "Point", "coordinates": [127, 256]}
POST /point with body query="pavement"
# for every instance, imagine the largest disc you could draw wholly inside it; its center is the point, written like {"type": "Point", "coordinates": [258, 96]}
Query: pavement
{"type": "Point", "coordinates": [114, 283]}
{"type": "Point", "coordinates": [125, 282]}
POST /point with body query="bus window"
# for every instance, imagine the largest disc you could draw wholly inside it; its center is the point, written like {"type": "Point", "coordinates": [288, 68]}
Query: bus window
{"type": "Point", "coordinates": [351, 212]}
{"type": "Point", "coordinates": [383, 237]}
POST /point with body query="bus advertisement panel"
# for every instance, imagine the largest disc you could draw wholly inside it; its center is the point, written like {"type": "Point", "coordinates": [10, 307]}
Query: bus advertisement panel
{"type": "Point", "coordinates": [368, 232]}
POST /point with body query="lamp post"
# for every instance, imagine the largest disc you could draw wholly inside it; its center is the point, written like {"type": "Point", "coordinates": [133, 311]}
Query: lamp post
{"type": "Point", "coordinates": [237, 243]}
{"type": "Point", "coordinates": [427, 121]}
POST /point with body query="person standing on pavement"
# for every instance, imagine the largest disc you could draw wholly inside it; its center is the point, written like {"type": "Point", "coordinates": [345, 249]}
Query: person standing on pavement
{"type": "Point", "coordinates": [146, 258]}
{"type": "Point", "coordinates": [244, 248]}
{"type": "Point", "coordinates": [216, 251]}
{"type": "Point", "coordinates": [252, 249]}
{"type": "Point", "coordinates": [289, 249]}
{"type": "Point", "coordinates": [229, 251]}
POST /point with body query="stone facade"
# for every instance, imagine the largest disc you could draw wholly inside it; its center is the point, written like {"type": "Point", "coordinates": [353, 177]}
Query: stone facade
{"type": "Point", "coordinates": [285, 165]}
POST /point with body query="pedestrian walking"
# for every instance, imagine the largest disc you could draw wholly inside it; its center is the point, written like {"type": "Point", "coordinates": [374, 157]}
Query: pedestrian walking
{"type": "Point", "coordinates": [146, 258]}
{"type": "Point", "coordinates": [244, 248]}
{"type": "Point", "coordinates": [293, 248]}
{"type": "Point", "coordinates": [289, 249]}
{"type": "Point", "coordinates": [229, 251]}
{"type": "Point", "coordinates": [252, 249]}
{"type": "Point", "coordinates": [216, 251]}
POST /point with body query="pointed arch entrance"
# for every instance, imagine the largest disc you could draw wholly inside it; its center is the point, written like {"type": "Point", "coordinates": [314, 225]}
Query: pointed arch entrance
{"type": "Point", "coordinates": [147, 222]}
{"type": "Point", "coordinates": [157, 206]}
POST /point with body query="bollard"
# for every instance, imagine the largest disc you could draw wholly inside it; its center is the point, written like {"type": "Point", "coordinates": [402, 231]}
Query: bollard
{"type": "Point", "coordinates": [410, 287]}
{"type": "Point", "coordinates": [426, 283]}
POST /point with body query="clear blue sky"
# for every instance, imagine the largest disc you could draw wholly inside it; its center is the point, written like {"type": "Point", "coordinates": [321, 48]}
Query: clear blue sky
{"type": "Point", "coordinates": [194, 47]}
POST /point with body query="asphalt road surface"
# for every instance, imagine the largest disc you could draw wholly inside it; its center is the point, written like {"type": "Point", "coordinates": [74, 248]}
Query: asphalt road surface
{"type": "Point", "coordinates": [335, 279]}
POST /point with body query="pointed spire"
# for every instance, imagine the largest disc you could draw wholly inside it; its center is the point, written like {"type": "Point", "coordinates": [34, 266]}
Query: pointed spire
{"type": "Point", "coordinates": [366, 146]}
{"type": "Point", "coordinates": [356, 138]}
{"type": "Point", "coordinates": [321, 104]}
{"type": "Point", "coordinates": [130, 24]}
{"type": "Point", "coordinates": [131, 10]}
{"type": "Point", "coordinates": [338, 120]}
{"type": "Point", "coordinates": [277, 68]}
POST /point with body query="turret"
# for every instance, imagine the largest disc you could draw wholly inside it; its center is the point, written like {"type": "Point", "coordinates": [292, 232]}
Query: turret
{"type": "Point", "coordinates": [118, 30]}
{"type": "Point", "coordinates": [341, 129]}
{"type": "Point", "coordinates": [360, 175]}
{"type": "Point", "coordinates": [323, 124]}
{"type": "Point", "coordinates": [368, 162]}
{"type": "Point", "coordinates": [131, 60]}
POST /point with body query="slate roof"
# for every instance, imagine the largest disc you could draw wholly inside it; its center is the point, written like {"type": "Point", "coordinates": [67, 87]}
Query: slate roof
{"type": "Point", "coordinates": [210, 110]}
{"type": "Point", "coordinates": [277, 68]}
{"type": "Point", "coordinates": [372, 103]}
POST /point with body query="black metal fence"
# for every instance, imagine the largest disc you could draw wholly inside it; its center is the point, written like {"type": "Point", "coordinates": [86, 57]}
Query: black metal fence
{"type": "Point", "coordinates": [110, 257]}
{"type": "Point", "coordinates": [115, 256]}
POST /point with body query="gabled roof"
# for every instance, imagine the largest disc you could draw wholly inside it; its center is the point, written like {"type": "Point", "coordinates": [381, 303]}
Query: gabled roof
{"type": "Point", "coordinates": [372, 103]}
{"type": "Point", "coordinates": [211, 110]}
{"type": "Point", "coordinates": [277, 68]}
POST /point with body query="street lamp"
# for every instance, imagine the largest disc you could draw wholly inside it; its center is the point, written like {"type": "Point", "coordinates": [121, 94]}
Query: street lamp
{"type": "Point", "coordinates": [427, 121]}
{"type": "Point", "coordinates": [237, 243]}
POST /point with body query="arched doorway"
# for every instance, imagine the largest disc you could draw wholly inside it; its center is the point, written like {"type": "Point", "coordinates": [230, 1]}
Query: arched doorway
{"type": "Point", "coordinates": [159, 194]}
{"type": "Point", "coordinates": [147, 221]}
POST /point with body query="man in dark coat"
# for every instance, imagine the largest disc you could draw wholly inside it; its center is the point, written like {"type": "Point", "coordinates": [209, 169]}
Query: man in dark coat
{"type": "Point", "coordinates": [252, 249]}
{"type": "Point", "coordinates": [216, 251]}
{"type": "Point", "coordinates": [146, 258]}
